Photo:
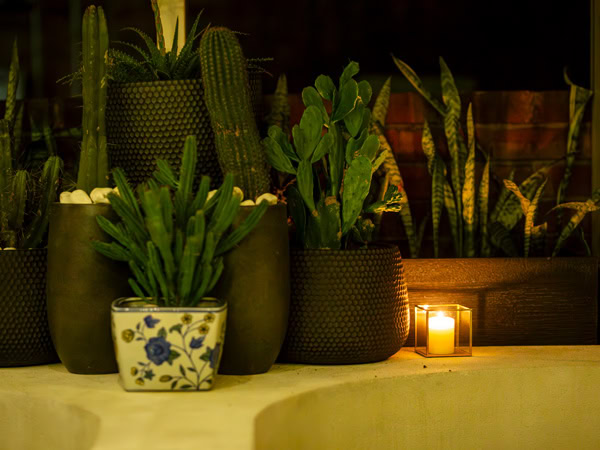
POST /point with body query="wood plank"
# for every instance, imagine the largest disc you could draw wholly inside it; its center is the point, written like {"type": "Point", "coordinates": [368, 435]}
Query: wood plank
{"type": "Point", "coordinates": [515, 301]}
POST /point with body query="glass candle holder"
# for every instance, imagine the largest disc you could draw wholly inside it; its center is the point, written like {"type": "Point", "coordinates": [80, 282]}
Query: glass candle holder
{"type": "Point", "coordinates": [443, 330]}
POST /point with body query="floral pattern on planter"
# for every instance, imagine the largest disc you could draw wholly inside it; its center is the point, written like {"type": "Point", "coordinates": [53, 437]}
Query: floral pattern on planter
{"type": "Point", "coordinates": [167, 349]}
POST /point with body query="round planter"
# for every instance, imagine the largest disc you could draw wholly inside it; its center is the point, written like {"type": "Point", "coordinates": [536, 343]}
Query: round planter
{"type": "Point", "coordinates": [24, 333]}
{"type": "Point", "coordinates": [347, 306]}
{"type": "Point", "coordinates": [150, 120]}
{"type": "Point", "coordinates": [168, 349]}
{"type": "Point", "coordinates": [256, 285]}
{"type": "Point", "coordinates": [82, 284]}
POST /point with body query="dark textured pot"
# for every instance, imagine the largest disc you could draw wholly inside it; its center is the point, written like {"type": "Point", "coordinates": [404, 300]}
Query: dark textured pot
{"type": "Point", "coordinates": [82, 284]}
{"type": "Point", "coordinates": [150, 120]}
{"type": "Point", "coordinates": [256, 286]}
{"type": "Point", "coordinates": [347, 306]}
{"type": "Point", "coordinates": [24, 333]}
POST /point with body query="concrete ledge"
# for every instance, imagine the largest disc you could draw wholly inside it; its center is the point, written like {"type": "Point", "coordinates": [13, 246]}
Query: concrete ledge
{"type": "Point", "coordinates": [502, 397]}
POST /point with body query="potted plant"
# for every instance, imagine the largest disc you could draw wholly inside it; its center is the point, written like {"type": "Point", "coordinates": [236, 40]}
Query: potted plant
{"type": "Point", "coordinates": [82, 283]}
{"type": "Point", "coordinates": [25, 199]}
{"type": "Point", "coordinates": [349, 302]}
{"type": "Point", "coordinates": [170, 337]}
{"type": "Point", "coordinates": [256, 279]}
{"type": "Point", "coordinates": [504, 291]}
{"type": "Point", "coordinates": [155, 100]}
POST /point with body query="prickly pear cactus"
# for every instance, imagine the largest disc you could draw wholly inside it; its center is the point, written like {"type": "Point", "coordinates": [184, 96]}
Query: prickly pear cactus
{"type": "Point", "coordinates": [329, 214]}
{"type": "Point", "coordinates": [227, 95]}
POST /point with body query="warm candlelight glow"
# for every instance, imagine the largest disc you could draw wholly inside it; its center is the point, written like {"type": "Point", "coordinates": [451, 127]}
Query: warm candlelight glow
{"type": "Point", "coordinates": [441, 335]}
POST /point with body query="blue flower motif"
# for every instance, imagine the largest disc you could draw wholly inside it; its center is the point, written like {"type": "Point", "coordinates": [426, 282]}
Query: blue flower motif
{"type": "Point", "coordinates": [197, 342]}
{"type": "Point", "coordinates": [150, 322]}
{"type": "Point", "coordinates": [158, 350]}
{"type": "Point", "coordinates": [214, 355]}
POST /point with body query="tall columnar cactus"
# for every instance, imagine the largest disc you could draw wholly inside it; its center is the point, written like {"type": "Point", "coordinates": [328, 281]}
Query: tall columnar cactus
{"type": "Point", "coordinates": [227, 94]}
{"type": "Point", "coordinates": [327, 215]}
{"type": "Point", "coordinates": [172, 238]}
{"type": "Point", "coordinates": [93, 163]}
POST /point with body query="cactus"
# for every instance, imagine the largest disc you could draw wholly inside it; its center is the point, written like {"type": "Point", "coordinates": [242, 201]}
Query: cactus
{"type": "Point", "coordinates": [174, 247]}
{"type": "Point", "coordinates": [334, 213]}
{"type": "Point", "coordinates": [227, 95]}
{"type": "Point", "coordinates": [93, 163]}
{"type": "Point", "coordinates": [24, 200]}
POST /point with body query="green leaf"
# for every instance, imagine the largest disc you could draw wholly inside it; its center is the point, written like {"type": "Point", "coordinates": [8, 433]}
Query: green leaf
{"type": "Point", "coordinates": [282, 139]}
{"type": "Point", "coordinates": [412, 77]}
{"type": "Point", "coordinates": [370, 147]}
{"type": "Point", "coordinates": [173, 355]}
{"type": "Point", "coordinates": [365, 92]}
{"type": "Point", "coordinates": [349, 72]}
{"type": "Point", "coordinates": [354, 120]}
{"type": "Point", "coordinates": [182, 371]}
{"type": "Point", "coordinates": [357, 182]}
{"type": "Point", "coordinates": [325, 145]}
{"type": "Point", "coordinates": [346, 101]}
{"type": "Point", "coordinates": [297, 210]}
{"type": "Point", "coordinates": [176, 327]}
{"type": "Point", "coordinates": [325, 86]}
{"type": "Point", "coordinates": [311, 97]}
{"type": "Point", "coordinates": [305, 184]}
{"type": "Point", "coordinates": [468, 192]}
{"type": "Point", "coordinates": [276, 157]}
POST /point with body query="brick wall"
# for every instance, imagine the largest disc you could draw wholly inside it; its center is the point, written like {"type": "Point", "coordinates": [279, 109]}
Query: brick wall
{"type": "Point", "coordinates": [523, 130]}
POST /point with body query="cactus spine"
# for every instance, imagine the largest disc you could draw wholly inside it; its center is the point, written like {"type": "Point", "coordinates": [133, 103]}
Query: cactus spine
{"type": "Point", "coordinates": [93, 163]}
{"type": "Point", "coordinates": [227, 94]}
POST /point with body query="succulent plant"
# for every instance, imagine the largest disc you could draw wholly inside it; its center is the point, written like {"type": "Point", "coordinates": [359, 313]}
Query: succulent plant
{"type": "Point", "coordinates": [173, 239]}
{"type": "Point", "coordinates": [24, 198]}
{"type": "Point", "coordinates": [93, 160]}
{"type": "Point", "coordinates": [477, 229]}
{"type": "Point", "coordinates": [227, 95]}
{"type": "Point", "coordinates": [155, 62]}
{"type": "Point", "coordinates": [333, 170]}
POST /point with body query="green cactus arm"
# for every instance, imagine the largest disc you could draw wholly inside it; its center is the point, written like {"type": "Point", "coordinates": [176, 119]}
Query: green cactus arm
{"type": "Point", "coordinates": [219, 266]}
{"type": "Point", "coordinates": [336, 160]}
{"type": "Point", "coordinates": [227, 96]}
{"type": "Point", "coordinates": [164, 174]}
{"type": "Point", "coordinates": [205, 275]}
{"type": "Point", "coordinates": [19, 199]}
{"type": "Point", "coordinates": [13, 83]}
{"type": "Point", "coordinates": [330, 223]}
{"type": "Point", "coordinates": [154, 265]}
{"type": "Point", "coordinates": [201, 194]}
{"type": "Point", "coordinates": [357, 182]}
{"type": "Point", "coordinates": [183, 194]}
{"type": "Point", "coordinates": [239, 233]}
{"type": "Point", "coordinates": [280, 107]}
{"type": "Point", "coordinates": [305, 184]}
{"type": "Point", "coordinates": [112, 250]}
{"type": "Point", "coordinates": [188, 265]}
{"type": "Point", "coordinates": [102, 156]}
{"type": "Point", "coordinates": [5, 174]}
{"type": "Point", "coordinates": [142, 280]}
{"type": "Point", "coordinates": [36, 230]}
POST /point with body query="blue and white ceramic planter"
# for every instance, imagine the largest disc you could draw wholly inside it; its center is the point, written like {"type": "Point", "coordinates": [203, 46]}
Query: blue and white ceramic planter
{"type": "Point", "coordinates": [168, 349]}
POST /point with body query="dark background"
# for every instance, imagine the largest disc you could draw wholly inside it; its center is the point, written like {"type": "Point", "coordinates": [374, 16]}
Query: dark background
{"type": "Point", "coordinates": [489, 45]}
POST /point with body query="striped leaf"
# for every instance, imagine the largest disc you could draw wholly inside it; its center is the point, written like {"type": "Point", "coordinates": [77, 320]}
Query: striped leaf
{"type": "Point", "coordinates": [525, 202]}
{"type": "Point", "coordinates": [412, 77]}
{"type": "Point", "coordinates": [436, 168]}
{"type": "Point", "coordinates": [468, 191]}
{"type": "Point", "coordinates": [452, 131]}
{"type": "Point", "coordinates": [500, 238]}
{"type": "Point", "coordinates": [511, 211]}
{"type": "Point", "coordinates": [538, 239]}
{"type": "Point", "coordinates": [504, 195]}
{"type": "Point", "coordinates": [11, 89]}
{"type": "Point", "coordinates": [382, 103]}
{"type": "Point", "coordinates": [578, 100]}
{"type": "Point", "coordinates": [483, 201]}
{"type": "Point", "coordinates": [530, 218]}
{"type": "Point", "coordinates": [450, 206]}
{"type": "Point", "coordinates": [573, 223]}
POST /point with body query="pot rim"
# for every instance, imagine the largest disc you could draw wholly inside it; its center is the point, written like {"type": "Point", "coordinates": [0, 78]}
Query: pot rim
{"type": "Point", "coordinates": [125, 305]}
{"type": "Point", "coordinates": [326, 251]}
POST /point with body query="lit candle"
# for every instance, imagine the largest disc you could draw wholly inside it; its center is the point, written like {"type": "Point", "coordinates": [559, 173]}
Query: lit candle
{"type": "Point", "coordinates": [441, 335]}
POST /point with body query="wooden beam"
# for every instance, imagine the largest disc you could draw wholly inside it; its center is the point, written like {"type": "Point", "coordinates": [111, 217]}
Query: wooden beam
{"type": "Point", "coordinates": [170, 11]}
{"type": "Point", "coordinates": [595, 83]}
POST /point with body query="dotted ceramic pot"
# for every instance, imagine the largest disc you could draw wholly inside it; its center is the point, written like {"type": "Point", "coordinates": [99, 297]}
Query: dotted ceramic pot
{"type": "Point", "coordinates": [347, 306]}
{"type": "Point", "coordinates": [148, 121]}
{"type": "Point", "coordinates": [24, 331]}
{"type": "Point", "coordinates": [168, 348]}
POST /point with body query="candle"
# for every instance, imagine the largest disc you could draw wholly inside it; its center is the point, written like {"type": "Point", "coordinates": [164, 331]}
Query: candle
{"type": "Point", "coordinates": [441, 335]}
